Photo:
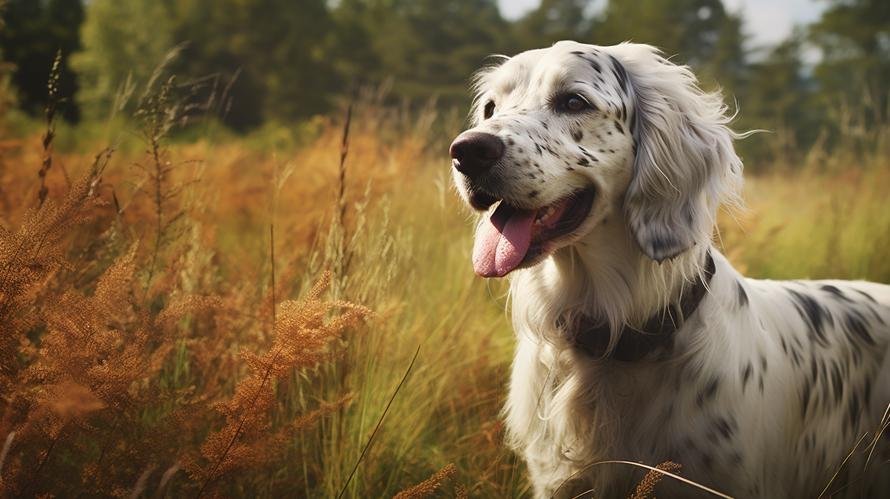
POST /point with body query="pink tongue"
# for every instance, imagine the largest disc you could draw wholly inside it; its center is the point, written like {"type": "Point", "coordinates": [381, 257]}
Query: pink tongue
{"type": "Point", "coordinates": [502, 241]}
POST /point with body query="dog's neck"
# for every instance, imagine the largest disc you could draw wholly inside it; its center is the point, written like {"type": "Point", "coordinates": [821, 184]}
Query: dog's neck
{"type": "Point", "coordinates": [603, 279]}
{"type": "Point", "coordinates": [654, 337]}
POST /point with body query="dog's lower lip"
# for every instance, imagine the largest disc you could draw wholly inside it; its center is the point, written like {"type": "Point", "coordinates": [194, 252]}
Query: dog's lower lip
{"type": "Point", "coordinates": [482, 200]}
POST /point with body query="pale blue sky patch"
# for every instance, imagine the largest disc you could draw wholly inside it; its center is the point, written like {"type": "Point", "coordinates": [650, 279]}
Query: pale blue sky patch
{"type": "Point", "coordinates": [766, 22]}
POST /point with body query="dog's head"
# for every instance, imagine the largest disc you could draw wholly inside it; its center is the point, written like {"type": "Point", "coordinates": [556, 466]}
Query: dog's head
{"type": "Point", "coordinates": [564, 137]}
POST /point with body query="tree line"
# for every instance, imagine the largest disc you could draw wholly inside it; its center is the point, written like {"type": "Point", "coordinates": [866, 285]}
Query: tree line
{"type": "Point", "coordinates": [286, 60]}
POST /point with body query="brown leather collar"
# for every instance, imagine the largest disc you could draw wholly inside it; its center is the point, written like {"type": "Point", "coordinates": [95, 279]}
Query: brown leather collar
{"type": "Point", "coordinates": [656, 334]}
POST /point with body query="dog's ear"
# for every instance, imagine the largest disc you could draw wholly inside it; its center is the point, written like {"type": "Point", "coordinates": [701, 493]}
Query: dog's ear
{"type": "Point", "coordinates": [684, 163]}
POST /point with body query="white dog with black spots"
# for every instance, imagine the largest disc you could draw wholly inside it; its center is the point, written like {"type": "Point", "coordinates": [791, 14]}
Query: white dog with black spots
{"type": "Point", "coordinates": [598, 172]}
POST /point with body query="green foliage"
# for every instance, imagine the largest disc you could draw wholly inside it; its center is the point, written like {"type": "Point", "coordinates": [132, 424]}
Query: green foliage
{"type": "Point", "coordinates": [424, 47]}
{"type": "Point", "coordinates": [696, 32]}
{"type": "Point", "coordinates": [123, 43]}
{"type": "Point", "coordinates": [552, 21]}
{"type": "Point", "coordinates": [854, 37]}
{"type": "Point", "coordinates": [251, 63]}
{"type": "Point", "coordinates": [32, 32]}
{"type": "Point", "coordinates": [269, 57]}
{"type": "Point", "coordinates": [789, 115]}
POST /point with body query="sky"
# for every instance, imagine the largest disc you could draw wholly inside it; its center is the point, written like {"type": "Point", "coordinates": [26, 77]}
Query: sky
{"type": "Point", "coordinates": [766, 21]}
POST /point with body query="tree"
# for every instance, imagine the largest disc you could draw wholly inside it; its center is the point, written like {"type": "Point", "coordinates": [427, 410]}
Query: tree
{"type": "Point", "coordinates": [275, 47]}
{"type": "Point", "coordinates": [552, 21]}
{"type": "Point", "coordinates": [122, 42]}
{"type": "Point", "coordinates": [33, 32]}
{"type": "Point", "coordinates": [700, 33]}
{"type": "Point", "coordinates": [854, 37]}
{"type": "Point", "coordinates": [427, 47]}
{"type": "Point", "coordinates": [780, 99]}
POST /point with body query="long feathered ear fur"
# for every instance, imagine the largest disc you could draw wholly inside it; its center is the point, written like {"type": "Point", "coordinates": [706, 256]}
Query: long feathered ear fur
{"type": "Point", "coordinates": [685, 165]}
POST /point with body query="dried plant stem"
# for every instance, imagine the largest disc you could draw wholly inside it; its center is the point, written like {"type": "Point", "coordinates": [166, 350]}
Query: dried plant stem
{"type": "Point", "coordinates": [6, 446]}
{"type": "Point", "coordinates": [379, 422]}
{"type": "Point", "coordinates": [52, 103]}
{"type": "Point", "coordinates": [158, 202]}
{"type": "Point", "coordinates": [646, 487]}
{"type": "Point", "coordinates": [43, 460]}
{"type": "Point", "coordinates": [266, 376]}
{"type": "Point", "coordinates": [343, 257]}
{"type": "Point", "coordinates": [429, 486]}
{"type": "Point", "coordinates": [159, 112]}
{"type": "Point", "coordinates": [644, 466]}
{"type": "Point", "coordinates": [272, 260]}
{"type": "Point", "coordinates": [843, 463]}
{"type": "Point", "coordinates": [242, 420]}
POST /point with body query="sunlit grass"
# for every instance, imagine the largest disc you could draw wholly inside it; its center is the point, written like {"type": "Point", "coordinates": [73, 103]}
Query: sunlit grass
{"type": "Point", "coordinates": [406, 258]}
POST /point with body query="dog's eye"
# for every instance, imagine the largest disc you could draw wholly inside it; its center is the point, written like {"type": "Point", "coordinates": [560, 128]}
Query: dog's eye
{"type": "Point", "coordinates": [572, 103]}
{"type": "Point", "coordinates": [489, 110]}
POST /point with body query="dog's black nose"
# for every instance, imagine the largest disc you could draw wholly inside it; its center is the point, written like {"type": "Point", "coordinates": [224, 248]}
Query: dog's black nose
{"type": "Point", "coordinates": [474, 153]}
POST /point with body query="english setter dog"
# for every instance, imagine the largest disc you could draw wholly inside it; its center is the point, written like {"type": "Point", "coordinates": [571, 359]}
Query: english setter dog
{"type": "Point", "coordinates": [598, 172]}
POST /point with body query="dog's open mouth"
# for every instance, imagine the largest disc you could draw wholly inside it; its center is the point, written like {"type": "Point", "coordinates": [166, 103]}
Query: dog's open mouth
{"type": "Point", "coordinates": [509, 237]}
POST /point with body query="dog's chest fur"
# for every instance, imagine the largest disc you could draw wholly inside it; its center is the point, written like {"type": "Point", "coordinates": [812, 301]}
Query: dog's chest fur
{"type": "Point", "coordinates": [763, 393]}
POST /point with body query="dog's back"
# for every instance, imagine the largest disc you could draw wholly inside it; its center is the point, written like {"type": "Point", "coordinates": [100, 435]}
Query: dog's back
{"type": "Point", "coordinates": [825, 378]}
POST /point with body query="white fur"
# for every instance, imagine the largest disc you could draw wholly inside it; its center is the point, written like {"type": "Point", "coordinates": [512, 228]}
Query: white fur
{"type": "Point", "coordinates": [727, 402]}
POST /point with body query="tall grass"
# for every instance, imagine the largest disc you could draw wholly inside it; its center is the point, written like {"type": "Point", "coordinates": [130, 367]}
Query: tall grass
{"type": "Point", "coordinates": [205, 360]}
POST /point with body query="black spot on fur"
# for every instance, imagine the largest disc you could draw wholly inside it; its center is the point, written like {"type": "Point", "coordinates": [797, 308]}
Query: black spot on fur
{"type": "Point", "coordinates": [828, 288]}
{"type": "Point", "coordinates": [708, 392]}
{"type": "Point", "coordinates": [813, 313]}
{"type": "Point", "coordinates": [796, 359]}
{"type": "Point", "coordinates": [620, 74]}
{"type": "Point", "coordinates": [587, 153]}
{"type": "Point", "coordinates": [855, 324]}
{"type": "Point", "coordinates": [510, 141]}
{"type": "Point", "coordinates": [743, 295]}
{"type": "Point", "coordinates": [533, 194]}
{"type": "Point", "coordinates": [577, 135]}
{"type": "Point", "coordinates": [805, 399]}
{"type": "Point", "coordinates": [867, 296]}
{"type": "Point", "coordinates": [583, 162]}
{"type": "Point", "coordinates": [837, 383]}
{"type": "Point", "coordinates": [707, 460]}
{"type": "Point", "coordinates": [746, 374]}
{"type": "Point", "coordinates": [619, 128]}
{"type": "Point", "coordinates": [852, 411]}
{"type": "Point", "coordinates": [595, 65]}
{"type": "Point", "coordinates": [866, 391]}
{"type": "Point", "coordinates": [724, 427]}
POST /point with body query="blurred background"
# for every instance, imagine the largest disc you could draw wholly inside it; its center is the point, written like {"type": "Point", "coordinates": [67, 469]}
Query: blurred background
{"type": "Point", "coordinates": [232, 262]}
{"type": "Point", "coordinates": [801, 69]}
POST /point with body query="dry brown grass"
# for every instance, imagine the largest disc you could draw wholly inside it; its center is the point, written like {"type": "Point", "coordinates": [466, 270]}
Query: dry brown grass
{"type": "Point", "coordinates": [161, 348]}
{"type": "Point", "coordinates": [646, 488]}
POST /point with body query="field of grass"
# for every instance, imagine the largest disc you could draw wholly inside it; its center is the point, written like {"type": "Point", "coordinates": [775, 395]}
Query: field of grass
{"type": "Point", "coordinates": [244, 317]}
